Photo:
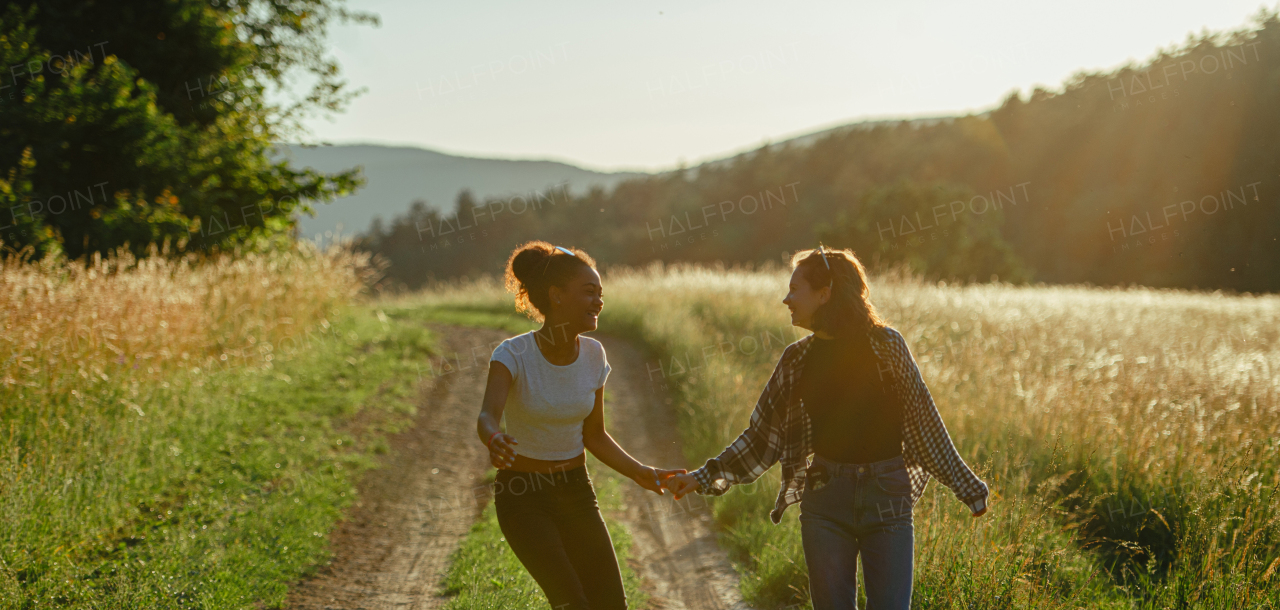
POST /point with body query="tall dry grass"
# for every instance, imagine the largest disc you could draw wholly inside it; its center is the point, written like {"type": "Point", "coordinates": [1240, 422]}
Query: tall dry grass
{"type": "Point", "coordinates": [157, 312]}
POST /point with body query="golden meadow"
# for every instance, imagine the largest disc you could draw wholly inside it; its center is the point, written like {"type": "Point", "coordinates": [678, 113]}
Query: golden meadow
{"type": "Point", "coordinates": [1130, 436]}
{"type": "Point", "coordinates": [172, 429]}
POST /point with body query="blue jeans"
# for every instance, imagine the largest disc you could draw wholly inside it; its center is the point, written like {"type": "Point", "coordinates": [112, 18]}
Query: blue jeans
{"type": "Point", "coordinates": [858, 509]}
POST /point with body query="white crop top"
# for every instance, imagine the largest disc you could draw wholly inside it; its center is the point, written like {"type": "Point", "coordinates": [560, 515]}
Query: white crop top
{"type": "Point", "coordinates": [548, 403]}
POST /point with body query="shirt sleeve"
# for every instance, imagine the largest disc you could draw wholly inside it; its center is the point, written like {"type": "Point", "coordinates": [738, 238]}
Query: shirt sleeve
{"type": "Point", "coordinates": [604, 370]}
{"type": "Point", "coordinates": [757, 448]}
{"type": "Point", "coordinates": [933, 446]}
{"type": "Point", "coordinates": [504, 354]}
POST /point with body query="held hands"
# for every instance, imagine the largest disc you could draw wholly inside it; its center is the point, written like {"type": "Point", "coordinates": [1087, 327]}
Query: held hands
{"type": "Point", "coordinates": [654, 479]}
{"type": "Point", "coordinates": [681, 484]}
{"type": "Point", "coordinates": [502, 451]}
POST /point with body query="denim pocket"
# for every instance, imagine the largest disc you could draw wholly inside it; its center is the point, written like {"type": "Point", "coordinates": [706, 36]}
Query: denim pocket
{"type": "Point", "coordinates": [895, 482]}
{"type": "Point", "coordinates": [816, 478]}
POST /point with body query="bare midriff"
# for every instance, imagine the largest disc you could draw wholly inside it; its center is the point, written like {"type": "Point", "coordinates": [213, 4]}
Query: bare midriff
{"type": "Point", "coordinates": [528, 464]}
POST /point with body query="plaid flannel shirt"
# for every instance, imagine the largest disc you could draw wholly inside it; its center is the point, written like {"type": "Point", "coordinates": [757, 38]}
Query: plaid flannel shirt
{"type": "Point", "coordinates": [780, 431]}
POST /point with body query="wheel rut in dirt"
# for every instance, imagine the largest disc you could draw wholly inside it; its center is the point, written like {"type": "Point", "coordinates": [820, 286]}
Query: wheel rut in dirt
{"type": "Point", "coordinates": [392, 550]}
{"type": "Point", "coordinates": [675, 546]}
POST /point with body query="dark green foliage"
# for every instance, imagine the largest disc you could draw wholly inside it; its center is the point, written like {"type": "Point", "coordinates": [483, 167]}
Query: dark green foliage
{"type": "Point", "coordinates": [944, 231]}
{"type": "Point", "coordinates": [149, 122]}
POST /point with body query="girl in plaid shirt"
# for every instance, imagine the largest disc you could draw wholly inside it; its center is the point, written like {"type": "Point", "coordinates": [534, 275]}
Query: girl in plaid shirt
{"type": "Point", "coordinates": [867, 418]}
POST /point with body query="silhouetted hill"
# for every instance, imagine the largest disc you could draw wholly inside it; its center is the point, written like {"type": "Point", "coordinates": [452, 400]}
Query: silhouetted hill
{"type": "Point", "coordinates": [397, 176]}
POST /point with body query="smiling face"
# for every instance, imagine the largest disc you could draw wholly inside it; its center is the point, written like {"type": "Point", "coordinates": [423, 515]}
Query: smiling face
{"type": "Point", "coordinates": [577, 304]}
{"type": "Point", "coordinates": [803, 300]}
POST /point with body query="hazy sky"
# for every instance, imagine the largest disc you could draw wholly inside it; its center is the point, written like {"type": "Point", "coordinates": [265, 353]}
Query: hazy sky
{"type": "Point", "coordinates": [625, 86]}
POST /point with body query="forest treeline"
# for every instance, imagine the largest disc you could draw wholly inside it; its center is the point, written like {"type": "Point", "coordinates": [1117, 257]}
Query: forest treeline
{"type": "Point", "coordinates": [1164, 174]}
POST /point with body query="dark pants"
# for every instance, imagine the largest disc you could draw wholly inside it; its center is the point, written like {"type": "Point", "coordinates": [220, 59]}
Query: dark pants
{"type": "Point", "coordinates": [852, 510]}
{"type": "Point", "coordinates": [553, 525]}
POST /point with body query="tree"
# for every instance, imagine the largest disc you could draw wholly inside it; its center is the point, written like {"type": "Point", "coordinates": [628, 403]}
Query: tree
{"type": "Point", "coordinates": [938, 230]}
{"type": "Point", "coordinates": [152, 122]}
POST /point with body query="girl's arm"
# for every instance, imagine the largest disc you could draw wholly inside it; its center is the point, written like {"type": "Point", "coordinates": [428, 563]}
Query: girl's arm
{"type": "Point", "coordinates": [502, 447]}
{"type": "Point", "coordinates": [598, 441]}
{"type": "Point", "coordinates": [932, 442]}
{"type": "Point", "coordinates": [755, 450]}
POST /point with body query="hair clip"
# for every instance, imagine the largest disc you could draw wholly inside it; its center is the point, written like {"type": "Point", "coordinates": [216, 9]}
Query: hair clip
{"type": "Point", "coordinates": [548, 265]}
{"type": "Point", "coordinates": [823, 254]}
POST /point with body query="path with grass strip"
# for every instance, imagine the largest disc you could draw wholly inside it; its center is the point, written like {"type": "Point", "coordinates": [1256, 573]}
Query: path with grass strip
{"type": "Point", "coordinates": [393, 549]}
{"type": "Point", "coordinates": [679, 559]}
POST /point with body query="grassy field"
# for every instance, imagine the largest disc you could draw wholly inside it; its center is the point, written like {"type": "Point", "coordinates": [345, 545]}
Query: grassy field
{"type": "Point", "coordinates": [176, 434]}
{"type": "Point", "coordinates": [1130, 436]}
{"type": "Point", "coordinates": [184, 435]}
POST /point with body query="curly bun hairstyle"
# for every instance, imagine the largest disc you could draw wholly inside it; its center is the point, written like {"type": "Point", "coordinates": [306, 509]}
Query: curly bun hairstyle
{"type": "Point", "coordinates": [849, 311]}
{"type": "Point", "coordinates": [536, 266]}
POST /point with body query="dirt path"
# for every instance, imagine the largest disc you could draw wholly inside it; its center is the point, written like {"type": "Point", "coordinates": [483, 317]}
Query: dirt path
{"type": "Point", "coordinates": [680, 561]}
{"type": "Point", "coordinates": [392, 550]}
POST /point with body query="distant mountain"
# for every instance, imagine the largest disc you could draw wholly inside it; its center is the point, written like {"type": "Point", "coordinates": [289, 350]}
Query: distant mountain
{"type": "Point", "coordinates": [398, 176]}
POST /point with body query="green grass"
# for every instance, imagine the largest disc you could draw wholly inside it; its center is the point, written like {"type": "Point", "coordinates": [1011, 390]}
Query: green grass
{"type": "Point", "coordinates": [207, 489]}
{"type": "Point", "coordinates": [489, 316]}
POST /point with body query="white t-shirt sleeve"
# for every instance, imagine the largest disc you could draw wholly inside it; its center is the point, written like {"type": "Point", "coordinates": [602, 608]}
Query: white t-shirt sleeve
{"type": "Point", "coordinates": [604, 370]}
{"type": "Point", "coordinates": [504, 354]}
